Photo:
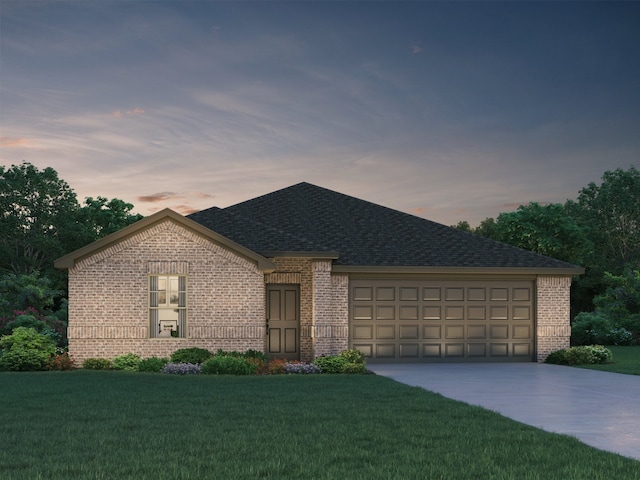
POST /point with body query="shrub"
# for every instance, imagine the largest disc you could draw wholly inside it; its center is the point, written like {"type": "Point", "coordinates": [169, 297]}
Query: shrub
{"type": "Point", "coordinates": [190, 355]}
{"type": "Point", "coordinates": [301, 368]}
{"type": "Point", "coordinates": [25, 349]}
{"type": "Point", "coordinates": [354, 368]}
{"type": "Point", "coordinates": [276, 366]}
{"type": "Point", "coordinates": [557, 358]}
{"type": "Point", "coordinates": [587, 354]}
{"type": "Point", "coordinates": [181, 368]}
{"type": "Point", "coordinates": [620, 336]}
{"type": "Point", "coordinates": [228, 365]}
{"type": "Point", "coordinates": [349, 361]}
{"type": "Point", "coordinates": [590, 328]}
{"type": "Point", "coordinates": [332, 364]}
{"type": "Point", "coordinates": [97, 364]}
{"type": "Point", "coordinates": [256, 354]}
{"type": "Point", "coordinates": [128, 362]}
{"type": "Point", "coordinates": [153, 364]}
{"type": "Point", "coordinates": [60, 361]}
{"type": "Point", "coordinates": [353, 356]}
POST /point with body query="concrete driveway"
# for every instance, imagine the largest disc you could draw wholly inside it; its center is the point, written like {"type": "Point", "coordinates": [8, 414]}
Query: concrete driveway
{"type": "Point", "coordinates": [599, 408]}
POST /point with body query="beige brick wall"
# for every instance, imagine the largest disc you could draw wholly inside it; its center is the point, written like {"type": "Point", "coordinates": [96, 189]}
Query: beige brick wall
{"type": "Point", "coordinates": [108, 296]}
{"type": "Point", "coordinates": [324, 310]}
{"type": "Point", "coordinates": [553, 314]}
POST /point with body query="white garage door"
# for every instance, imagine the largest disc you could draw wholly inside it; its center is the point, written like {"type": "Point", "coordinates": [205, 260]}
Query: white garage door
{"type": "Point", "coordinates": [449, 320]}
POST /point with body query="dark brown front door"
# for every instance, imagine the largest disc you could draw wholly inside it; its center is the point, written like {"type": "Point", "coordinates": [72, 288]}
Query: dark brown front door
{"type": "Point", "coordinates": [283, 322]}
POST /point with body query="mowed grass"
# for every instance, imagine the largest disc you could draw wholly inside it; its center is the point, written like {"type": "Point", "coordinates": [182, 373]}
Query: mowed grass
{"type": "Point", "coordinates": [625, 360]}
{"type": "Point", "coordinates": [118, 425]}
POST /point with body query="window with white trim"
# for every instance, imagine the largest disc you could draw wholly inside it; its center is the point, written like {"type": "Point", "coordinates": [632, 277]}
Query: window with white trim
{"type": "Point", "coordinates": [168, 306]}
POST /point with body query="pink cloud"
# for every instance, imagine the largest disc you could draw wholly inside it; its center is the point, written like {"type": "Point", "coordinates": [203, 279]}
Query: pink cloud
{"type": "Point", "coordinates": [128, 113]}
{"type": "Point", "coordinates": [158, 197]}
{"type": "Point", "coordinates": [8, 142]}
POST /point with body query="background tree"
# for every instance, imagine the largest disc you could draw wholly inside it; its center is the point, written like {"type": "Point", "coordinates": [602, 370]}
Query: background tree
{"type": "Point", "coordinates": [611, 213]}
{"type": "Point", "coordinates": [36, 206]}
{"type": "Point", "coordinates": [41, 220]}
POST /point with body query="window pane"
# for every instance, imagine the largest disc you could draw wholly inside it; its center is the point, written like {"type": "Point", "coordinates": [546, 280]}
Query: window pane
{"type": "Point", "coordinates": [162, 298]}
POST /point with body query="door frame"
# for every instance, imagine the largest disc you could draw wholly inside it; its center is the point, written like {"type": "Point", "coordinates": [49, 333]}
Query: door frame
{"type": "Point", "coordinates": [269, 322]}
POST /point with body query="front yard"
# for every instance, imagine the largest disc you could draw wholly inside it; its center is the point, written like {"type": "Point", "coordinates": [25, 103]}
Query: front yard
{"type": "Point", "coordinates": [121, 425]}
{"type": "Point", "coordinates": [625, 360]}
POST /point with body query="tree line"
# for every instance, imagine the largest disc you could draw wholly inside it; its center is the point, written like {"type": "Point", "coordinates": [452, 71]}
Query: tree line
{"type": "Point", "coordinates": [41, 220]}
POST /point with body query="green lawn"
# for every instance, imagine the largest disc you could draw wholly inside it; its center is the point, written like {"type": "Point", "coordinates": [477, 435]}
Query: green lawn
{"type": "Point", "coordinates": [118, 425]}
{"type": "Point", "coordinates": [625, 360]}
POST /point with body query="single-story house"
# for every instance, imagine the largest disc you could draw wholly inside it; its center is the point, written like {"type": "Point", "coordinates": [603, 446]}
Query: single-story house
{"type": "Point", "coordinates": [304, 272]}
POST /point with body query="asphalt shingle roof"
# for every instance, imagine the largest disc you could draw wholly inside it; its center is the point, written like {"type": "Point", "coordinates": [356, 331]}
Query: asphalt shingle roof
{"type": "Point", "coordinates": [306, 218]}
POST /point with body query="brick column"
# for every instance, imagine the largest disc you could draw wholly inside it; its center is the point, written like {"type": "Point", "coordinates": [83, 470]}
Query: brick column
{"type": "Point", "coordinates": [330, 310]}
{"type": "Point", "coordinates": [553, 296]}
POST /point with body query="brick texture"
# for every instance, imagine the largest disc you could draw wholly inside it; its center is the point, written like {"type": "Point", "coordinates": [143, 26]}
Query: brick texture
{"type": "Point", "coordinates": [108, 296]}
{"type": "Point", "coordinates": [553, 314]}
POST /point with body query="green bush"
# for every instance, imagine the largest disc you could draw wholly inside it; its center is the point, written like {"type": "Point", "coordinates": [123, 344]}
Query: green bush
{"type": "Point", "coordinates": [354, 356]}
{"type": "Point", "coordinates": [228, 365]}
{"type": "Point", "coordinates": [332, 364]}
{"type": "Point", "coordinates": [590, 328]}
{"type": "Point", "coordinates": [25, 349]}
{"type": "Point", "coordinates": [587, 355]}
{"type": "Point", "coordinates": [349, 361]}
{"type": "Point", "coordinates": [153, 364]}
{"type": "Point", "coordinates": [97, 364]}
{"type": "Point", "coordinates": [557, 358]}
{"type": "Point", "coordinates": [128, 362]}
{"type": "Point", "coordinates": [190, 355]}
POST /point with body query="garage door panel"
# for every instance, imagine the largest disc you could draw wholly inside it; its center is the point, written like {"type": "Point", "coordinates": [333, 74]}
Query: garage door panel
{"type": "Point", "coordinates": [363, 332]}
{"type": "Point", "coordinates": [454, 350]}
{"type": "Point", "coordinates": [499, 332]}
{"type": "Point", "coordinates": [385, 332]}
{"type": "Point", "coordinates": [477, 313]}
{"type": "Point", "coordinates": [408, 312]}
{"type": "Point", "coordinates": [385, 312]}
{"type": "Point", "coordinates": [386, 294]}
{"type": "Point", "coordinates": [449, 320]}
{"type": "Point", "coordinates": [477, 332]}
{"type": "Point", "coordinates": [409, 350]}
{"type": "Point", "coordinates": [363, 312]}
{"type": "Point", "coordinates": [454, 331]}
{"type": "Point", "coordinates": [521, 294]}
{"type": "Point", "coordinates": [521, 331]}
{"type": "Point", "coordinates": [409, 332]}
{"type": "Point", "coordinates": [477, 349]}
{"type": "Point", "coordinates": [409, 294]}
{"type": "Point", "coordinates": [499, 349]}
{"type": "Point", "coordinates": [431, 313]}
{"type": "Point", "coordinates": [522, 349]}
{"type": "Point", "coordinates": [431, 332]}
{"type": "Point", "coordinates": [521, 313]}
{"type": "Point", "coordinates": [454, 312]}
{"type": "Point", "coordinates": [499, 312]}
{"type": "Point", "coordinates": [431, 350]}
{"type": "Point", "coordinates": [431, 294]}
{"type": "Point", "coordinates": [385, 350]}
{"type": "Point", "coordinates": [500, 294]}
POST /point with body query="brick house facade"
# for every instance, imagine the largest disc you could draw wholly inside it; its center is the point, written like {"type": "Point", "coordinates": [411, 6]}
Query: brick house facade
{"type": "Point", "coordinates": [226, 300]}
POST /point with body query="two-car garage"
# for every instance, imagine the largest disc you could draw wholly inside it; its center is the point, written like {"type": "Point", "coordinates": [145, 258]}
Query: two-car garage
{"type": "Point", "coordinates": [420, 320]}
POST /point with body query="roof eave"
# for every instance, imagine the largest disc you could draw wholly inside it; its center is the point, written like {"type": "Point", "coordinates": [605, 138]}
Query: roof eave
{"type": "Point", "coordinates": [330, 255]}
{"type": "Point", "coordinates": [373, 269]}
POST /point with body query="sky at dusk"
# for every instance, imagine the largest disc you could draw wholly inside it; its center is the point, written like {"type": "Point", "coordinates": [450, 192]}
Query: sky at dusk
{"type": "Point", "coordinates": [447, 110]}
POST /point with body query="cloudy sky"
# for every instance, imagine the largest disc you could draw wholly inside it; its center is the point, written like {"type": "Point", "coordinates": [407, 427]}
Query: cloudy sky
{"type": "Point", "coordinates": [447, 110]}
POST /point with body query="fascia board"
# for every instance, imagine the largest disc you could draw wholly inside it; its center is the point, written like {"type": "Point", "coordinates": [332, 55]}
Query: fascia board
{"type": "Point", "coordinates": [456, 270]}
